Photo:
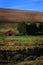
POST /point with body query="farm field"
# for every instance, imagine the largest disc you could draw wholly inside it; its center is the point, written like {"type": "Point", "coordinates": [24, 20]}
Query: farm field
{"type": "Point", "coordinates": [26, 38]}
{"type": "Point", "coordinates": [27, 62]}
{"type": "Point", "coordinates": [20, 43]}
{"type": "Point", "coordinates": [17, 42]}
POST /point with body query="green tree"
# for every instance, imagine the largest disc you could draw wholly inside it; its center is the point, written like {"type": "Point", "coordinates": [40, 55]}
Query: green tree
{"type": "Point", "coordinates": [22, 28]}
{"type": "Point", "coordinates": [32, 28]}
{"type": "Point", "coordinates": [41, 27]}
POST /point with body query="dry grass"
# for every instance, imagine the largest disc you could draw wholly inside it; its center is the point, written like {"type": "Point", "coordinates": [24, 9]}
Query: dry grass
{"type": "Point", "coordinates": [13, 15]}
{"type": "Point", "coordinates": [20, 42]}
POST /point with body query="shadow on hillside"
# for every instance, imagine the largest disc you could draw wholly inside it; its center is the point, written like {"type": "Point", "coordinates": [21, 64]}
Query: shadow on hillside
{"type": "Point", "coordinates": [20, 55]}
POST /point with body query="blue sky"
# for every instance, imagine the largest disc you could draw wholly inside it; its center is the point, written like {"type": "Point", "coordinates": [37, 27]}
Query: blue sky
{"type": "Point", "coordinates": [22, 4]}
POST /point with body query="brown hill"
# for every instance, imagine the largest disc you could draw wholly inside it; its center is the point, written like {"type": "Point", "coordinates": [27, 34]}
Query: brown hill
{"type": "Point", "coordinates": [13, 15]}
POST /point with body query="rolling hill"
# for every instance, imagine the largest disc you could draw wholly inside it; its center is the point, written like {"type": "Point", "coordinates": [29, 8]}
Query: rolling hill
{"type": "Point", "coordinates": [14, 15]}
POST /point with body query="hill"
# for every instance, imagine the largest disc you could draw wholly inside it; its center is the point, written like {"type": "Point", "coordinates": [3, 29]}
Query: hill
{"type": "Point", "coordinates": [14, 15]}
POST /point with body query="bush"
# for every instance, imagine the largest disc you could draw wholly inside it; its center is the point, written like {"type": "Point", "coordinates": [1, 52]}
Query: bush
{"type": "Point", "coordinates": [32, 28]}
{"type": "Point", "coordinates": [22, 28]}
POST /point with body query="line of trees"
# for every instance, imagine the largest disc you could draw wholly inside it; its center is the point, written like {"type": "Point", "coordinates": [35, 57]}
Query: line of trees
{"type": "Point", "coordinates": [32, 28]}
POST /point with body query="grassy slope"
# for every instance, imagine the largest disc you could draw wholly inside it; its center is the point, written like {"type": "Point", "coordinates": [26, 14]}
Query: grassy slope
{"type": "Point", "coordinates": [11, 43]}
{"type": "Point", "coordinates": [35, 62]}
{"type": "Point", "coordinates": [14, 42]}
{"type": "Point", "coordinates": [13, 15]}
{"type": "Point", "coordinates": [8, 26]}
{"type": "Point", "coordinates": [20, 42]}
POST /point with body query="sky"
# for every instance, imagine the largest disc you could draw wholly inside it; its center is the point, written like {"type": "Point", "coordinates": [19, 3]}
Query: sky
{"type": "Point", "coordinates": [36, 5]}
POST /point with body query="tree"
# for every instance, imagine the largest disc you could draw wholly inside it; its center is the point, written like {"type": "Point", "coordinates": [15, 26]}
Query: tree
{"type": "Point", "coordinates": [22, 28]}
{"type": "Point", "coordinates": [41, 27]}
{"type": "Point", "coordinates": [32, 28]}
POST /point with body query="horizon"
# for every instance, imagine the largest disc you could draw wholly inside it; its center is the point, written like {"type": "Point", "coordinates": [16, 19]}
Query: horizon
{"type": "Point", "coordinates": [34, 5]}
{"type": "Point", "coordinates": [22, 9]}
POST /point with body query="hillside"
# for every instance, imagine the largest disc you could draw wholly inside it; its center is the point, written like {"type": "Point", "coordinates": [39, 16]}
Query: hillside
{"type": "Point", "coordinates": [13, 15]}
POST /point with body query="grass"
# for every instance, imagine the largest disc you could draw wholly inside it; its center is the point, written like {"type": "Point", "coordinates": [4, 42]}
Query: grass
{"type": "Point", "coordinates": [38, 62]}
{"type": "Point", "coordinates": [21, 38]}
{"type": "Point", "coordinates": [20, 42]}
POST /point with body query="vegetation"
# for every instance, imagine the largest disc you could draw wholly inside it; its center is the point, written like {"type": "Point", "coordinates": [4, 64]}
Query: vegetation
{"type": "Point", "coordinates": [22, 28]}
{"type": "Point", "coordinates": [23, 49]}
{"type": "Point", "coordinates": [31, 28]}
{"type": "Point", "coordinates": [41, 27]}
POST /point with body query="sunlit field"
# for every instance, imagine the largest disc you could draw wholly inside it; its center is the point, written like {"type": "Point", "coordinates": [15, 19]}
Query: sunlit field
{"type": "Point", "coordinates": [20, 49]}
{"type": "Point", "coordinates": [16, 42]}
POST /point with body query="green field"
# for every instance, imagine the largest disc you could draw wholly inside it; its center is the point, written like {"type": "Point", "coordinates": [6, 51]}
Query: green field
{"type": "Point", "coordinates": [25, 38]}
{"type": "Point", "coordinates": [21, 42]}
{"type": "Point", "coordinates": [17, 42]}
